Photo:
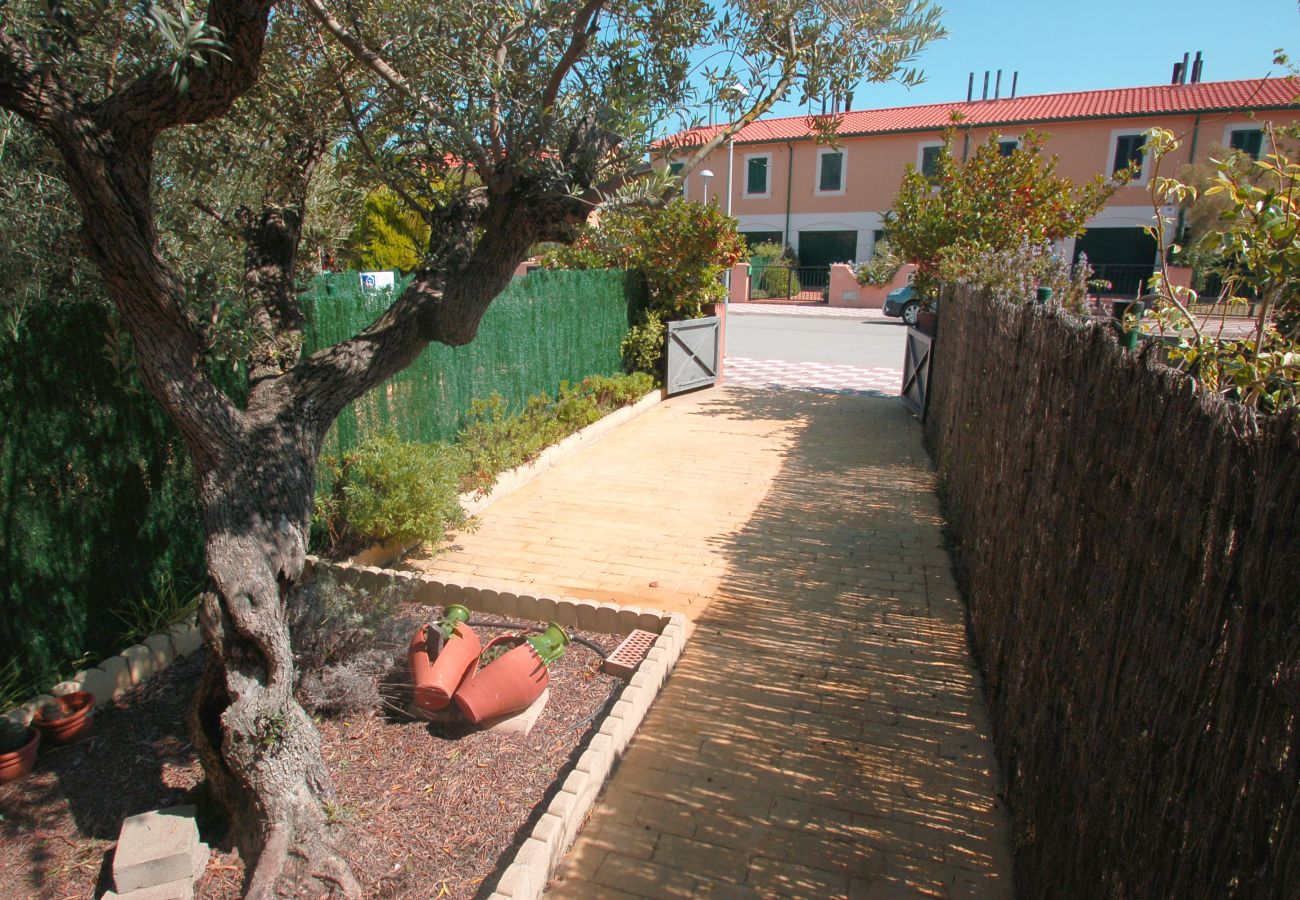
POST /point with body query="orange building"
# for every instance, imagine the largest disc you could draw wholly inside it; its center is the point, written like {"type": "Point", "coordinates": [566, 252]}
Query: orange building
{"type": "Point", "coordinates": [829, 203]}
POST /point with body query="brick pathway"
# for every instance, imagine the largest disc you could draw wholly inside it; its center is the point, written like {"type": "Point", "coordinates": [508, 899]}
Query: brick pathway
{"type": "Point", "coordinates": [775, 374]}
{"type": "Point", "coordinates": [823, 734]}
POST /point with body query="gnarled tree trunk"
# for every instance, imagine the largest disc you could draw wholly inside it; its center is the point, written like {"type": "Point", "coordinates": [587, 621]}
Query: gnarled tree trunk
{"type": "Point", "coordinates": [259, 749]}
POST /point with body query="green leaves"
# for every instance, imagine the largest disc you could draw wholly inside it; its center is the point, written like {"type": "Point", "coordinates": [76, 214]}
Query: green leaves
{"type": "Point", "coordinates": [1254, 245]}
{"type": "Point", "coordinates": [191, 42]}
{"type": "Point", "coordinates": [993, 202]}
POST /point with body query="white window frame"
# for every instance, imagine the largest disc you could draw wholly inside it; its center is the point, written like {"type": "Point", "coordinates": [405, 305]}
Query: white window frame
{"type": "Point", "coordinates": [745, 190]}
{"type": "Point", "coordinates": [1265, 148]}
{"type": "Point", "coordinates": [1109, 166]}
{"type": "Point", "coordinates": [844, 172]}
{"type": "Point", "coordinates": [920, 153]}
{"type": "Point", "coordinates": [1008, 139]}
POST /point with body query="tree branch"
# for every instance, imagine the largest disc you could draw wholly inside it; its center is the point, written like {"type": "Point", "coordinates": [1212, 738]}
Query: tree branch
{"type": "Point", "coordinates": [154, 102]}
{"type": "Point", "coordinates": [353, 121]}
{"type": "Point", "coordinates": [377, 64]}
{"type": "Point", "coordinates": [35, 92]}
{"type": "Point", "coordinates": [584, 26]}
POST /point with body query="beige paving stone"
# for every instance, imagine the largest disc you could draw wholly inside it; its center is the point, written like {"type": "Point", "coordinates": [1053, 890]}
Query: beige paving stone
{"type": "Point", "coordinates": [823, 732]}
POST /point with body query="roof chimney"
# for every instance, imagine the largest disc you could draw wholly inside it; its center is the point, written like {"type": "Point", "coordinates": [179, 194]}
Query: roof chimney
{"type": "Point", "coordinates": [986, 85]}
{"type": "Point", "coordinates": [1182, 79]}
{"type": "Point", "coordinates": [1196, 69]}
{"type": "Point", "coordinates": [970, 87]}
{"type": "Point", "coordinates": [1015, 77]}
{"type": "Point", "coordinates": [997, 86]}
{"type": "Point", "coordinates": [1178, 72]}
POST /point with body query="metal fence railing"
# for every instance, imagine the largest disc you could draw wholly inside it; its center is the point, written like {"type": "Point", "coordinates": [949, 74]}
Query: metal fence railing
{"type": "Point", "coordinates": [778, 282]}
{"type": "Point", "coordinates": [1121, 279]}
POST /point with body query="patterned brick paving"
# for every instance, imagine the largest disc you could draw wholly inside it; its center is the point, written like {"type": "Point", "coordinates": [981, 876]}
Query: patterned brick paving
{"type": "Point", "coordinates": [823, 734]}
{"type": "Point", "coordinates": [774, 374]}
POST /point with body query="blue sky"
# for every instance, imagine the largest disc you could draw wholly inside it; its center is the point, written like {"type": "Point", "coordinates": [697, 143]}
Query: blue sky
{"type": "Point", "coordinates": [1061, 46]}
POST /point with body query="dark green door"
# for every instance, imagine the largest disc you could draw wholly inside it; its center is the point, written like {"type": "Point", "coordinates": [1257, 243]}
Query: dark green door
{"type": "Point", "coordinates": [1121, 257]}
{"type": "Point", "coordinates": [821, 248]}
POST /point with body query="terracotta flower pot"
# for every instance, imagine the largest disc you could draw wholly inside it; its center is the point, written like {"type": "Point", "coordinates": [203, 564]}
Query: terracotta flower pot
{"type": "Point", "coordinates": [73, 721]}
{"type": "Point", "coordinates": [436, 679]}
{"type": "Point", "coordinates": [506, 685]}
{"type": "Point", "coordinates": [16, 764]}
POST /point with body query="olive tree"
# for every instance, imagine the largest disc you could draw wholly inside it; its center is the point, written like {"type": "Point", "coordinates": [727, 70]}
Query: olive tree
{"type": "Point", "coordinates": [525, 114]}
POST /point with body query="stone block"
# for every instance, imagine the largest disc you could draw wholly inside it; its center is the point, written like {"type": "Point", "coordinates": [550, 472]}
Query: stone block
{"type": "Point", "coordinates": [566, 612]}
{"type": "Point", "coordinates": [512, 603]}
{"type": "Point", "coordinates": [140, 663]}
{"type": "Point", "coordinates": [627, 620]}
{"type": "Point", "coordinates": [97, 682]}
{"type": "Point", "coordinates": [586, 615]}
{"type": "Point", "coordinates": [607, 618]}
{"type": "Point", "coordinates": [428, 591]}
{"type": "Point", "coordinates": [534, 856]}
{"type": "Point", "coordinates": [453, 591]}
{"type": "Point", "coordinates": [598, 759]}
{"type": "Point", "coordinates": [186, 638]}
{"type": "Point", "coordinates": [550, 831]}
{"type": "Point", "coordinates": [157, 848]}
{"type": "Point", "coordinates": [160, 647]}
{"type": "Point", "coordinates": [564, 807]}
{"type": "Point", "coordinates": [517, 884]}
{"type": "Point", "coordinates": [119, 673]}
{"type": "Point", "coordinates": [544, 609]}
{"type": "Point", "coordinates": [652, 620]}
{"type": "Point", "coordinates": [489, 600]}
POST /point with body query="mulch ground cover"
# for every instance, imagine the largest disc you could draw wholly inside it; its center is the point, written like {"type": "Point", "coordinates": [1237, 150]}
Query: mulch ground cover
{"type": "Point", "coordinates": [424, 810]}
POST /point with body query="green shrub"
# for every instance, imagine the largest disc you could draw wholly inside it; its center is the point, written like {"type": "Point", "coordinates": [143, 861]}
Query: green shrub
{"type": "Point", "coordinates": [493, 441]}
{"type": "Point", "coordinates": [343, 641]}
{"type": "Point", "coordinates": [881, 268]}
{"type": "Point", "coordinates": [772, 271]}
{"type": "Point", "coordinates": [643, 347]}
{"type": "Point", "coordinates": [393, 491]}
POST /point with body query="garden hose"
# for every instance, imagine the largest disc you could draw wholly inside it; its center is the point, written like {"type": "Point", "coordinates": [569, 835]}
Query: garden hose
{"type": "Point", "coordinates": [517, 626]}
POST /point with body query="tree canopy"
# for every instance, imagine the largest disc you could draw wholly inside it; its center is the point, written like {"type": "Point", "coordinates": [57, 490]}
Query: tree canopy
{"type": "Point", "coordinates": [204, 149]}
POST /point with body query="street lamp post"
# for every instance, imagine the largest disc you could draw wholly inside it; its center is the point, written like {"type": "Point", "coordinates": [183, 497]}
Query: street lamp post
{"type": "Point", "coordinates": [705, 175]}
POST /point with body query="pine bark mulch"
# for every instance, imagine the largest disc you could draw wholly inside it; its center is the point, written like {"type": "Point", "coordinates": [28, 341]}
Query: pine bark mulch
{"type": "Point", "coordinates": [423, 810]}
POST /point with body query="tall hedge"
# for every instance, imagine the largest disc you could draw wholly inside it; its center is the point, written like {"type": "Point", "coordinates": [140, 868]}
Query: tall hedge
{"type": "Point", "coordinates": [97, 498]}
{"type": "Point", "coordinates": [98, 506]}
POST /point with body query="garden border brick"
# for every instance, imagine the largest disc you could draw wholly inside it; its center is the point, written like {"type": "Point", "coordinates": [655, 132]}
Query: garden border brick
{"type": "Point", "coordinates": [525, 876]}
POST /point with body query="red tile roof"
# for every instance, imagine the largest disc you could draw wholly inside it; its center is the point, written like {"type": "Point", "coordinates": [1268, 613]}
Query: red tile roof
{"type": "Point", "coordinates": [1168, 99]}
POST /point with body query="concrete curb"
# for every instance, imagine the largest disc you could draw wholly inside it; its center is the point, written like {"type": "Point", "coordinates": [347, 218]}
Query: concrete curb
{"type": "Point", "coordinates": [118, 674]}
{"type": "Point", "coordinates": [513, 479]}
{"type": "Point", "coordinates": [525, 876]}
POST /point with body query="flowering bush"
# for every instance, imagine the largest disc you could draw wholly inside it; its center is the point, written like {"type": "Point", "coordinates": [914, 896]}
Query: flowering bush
{"type": "Point", "coordinates": [993, 202]}
{"type": "Point", "coordinates": [1016, 273]}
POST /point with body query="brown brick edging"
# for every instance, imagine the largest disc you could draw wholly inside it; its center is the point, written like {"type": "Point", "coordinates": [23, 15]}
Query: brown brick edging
{"type": "Point", "coordinates": [526, 875]}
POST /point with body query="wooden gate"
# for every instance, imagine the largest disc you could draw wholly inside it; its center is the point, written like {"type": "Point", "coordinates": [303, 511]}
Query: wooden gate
{"type": "Point", "coordinates": [694, 348]}
{"type": "Point", "coordinates": [916, 371]}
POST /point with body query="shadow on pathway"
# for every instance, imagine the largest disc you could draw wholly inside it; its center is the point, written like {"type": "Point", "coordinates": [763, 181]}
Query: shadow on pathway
{"type": "Point", "coordinates": [824, 733]}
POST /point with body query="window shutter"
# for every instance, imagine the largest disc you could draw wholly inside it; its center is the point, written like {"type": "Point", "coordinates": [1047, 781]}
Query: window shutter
{"type": "Point", "coordinates": [832, 174]}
